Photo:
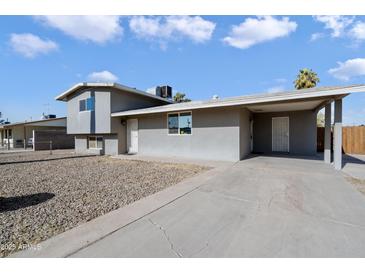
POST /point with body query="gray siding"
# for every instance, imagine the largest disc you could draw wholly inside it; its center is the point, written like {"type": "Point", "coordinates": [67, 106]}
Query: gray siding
{"type": "Point", "coordinates": [302, 132]}
{"type": "Point", "coordinates": [85, 122]}
{"type": "Point", "coordinates": [102, 112]}
{"type": "Point", "coordinates": [215, 136]}
{"type": "Point", "coordinates": [106, 102]}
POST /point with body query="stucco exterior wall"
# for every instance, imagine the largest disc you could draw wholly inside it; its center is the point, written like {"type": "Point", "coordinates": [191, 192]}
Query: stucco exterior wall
{"type": "Point", "coordinates": [110, 145]}
{"type": "Point", "coordinates": [245, 133]}
{"type": "Point", "coordinates": [80, 144]}
{"type": "Point", "coordinates": [302, 132]}
{"type": "Point", "coordinates": [121, 101]}
{"type": "Point", "coordinates": [119, 127]}
{"type": "Point", "coordinates": [215, 136]}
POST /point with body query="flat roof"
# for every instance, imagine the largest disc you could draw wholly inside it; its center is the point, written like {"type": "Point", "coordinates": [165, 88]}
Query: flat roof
{"type": "Point", "coordinates": [294, 95]}
{"type": "Point", "coordinates": [31, 122]}
{"type": "Point", "coordinates": [117, 86]}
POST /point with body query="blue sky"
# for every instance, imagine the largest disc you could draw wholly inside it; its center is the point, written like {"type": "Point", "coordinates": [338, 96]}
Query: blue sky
{"type": "Point", "coordinates": [199, 55]}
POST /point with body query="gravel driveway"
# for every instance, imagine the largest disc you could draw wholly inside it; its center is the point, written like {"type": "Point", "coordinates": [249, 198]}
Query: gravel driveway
{"type": "Point", "coordinates": [42, 195]}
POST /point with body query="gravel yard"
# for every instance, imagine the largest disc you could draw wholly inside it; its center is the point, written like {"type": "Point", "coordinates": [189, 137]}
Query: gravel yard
{"type": "Point", "coordinates": [42, 195]}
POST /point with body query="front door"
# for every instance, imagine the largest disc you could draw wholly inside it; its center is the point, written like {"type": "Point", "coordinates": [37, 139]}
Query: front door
{"type": "Point", "coordinates": [132, 136]}
{"type": "Point", "coordinates": [280, 134]}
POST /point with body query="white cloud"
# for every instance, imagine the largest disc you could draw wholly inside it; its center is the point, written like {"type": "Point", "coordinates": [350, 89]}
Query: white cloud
{"type": "Point", "coordinates": [357, 32]}
{"type": "Point", "coordinates": [30, 45]}
{"type": "Point", "coordinates": [167, 28]}
{"type": "Point", "coordinates": [253, 31]}
{"type": "Point", "coordinates": [95, 28]}
{"type": "Point", "coordinates": [348, 69]}
{"type": "Point", "coordinates": [316, 36]}
{"type": "Point", "coordinates": [336, 23]}
{"type": "Point", "coordinates": [103, 76]}
{"type": "Point", "coordinates": [276, 89]}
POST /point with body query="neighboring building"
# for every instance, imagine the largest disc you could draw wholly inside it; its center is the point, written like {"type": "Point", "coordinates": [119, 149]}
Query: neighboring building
{"type": "Point", "coordinates": [114, 119]}
{"type": "Point", "coordinates": [21, 135]}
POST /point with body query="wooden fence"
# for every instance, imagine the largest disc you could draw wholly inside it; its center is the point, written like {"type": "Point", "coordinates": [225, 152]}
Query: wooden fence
{"type": "Point", "coordinates": [353, 139]}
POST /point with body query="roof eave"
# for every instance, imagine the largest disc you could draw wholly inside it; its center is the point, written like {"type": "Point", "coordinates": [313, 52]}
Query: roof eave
{"type": "Point", "coordinates": [73, 89]}
{"type": "Point", "coordinates": [222, 103]}
{"type": "Point", "coordinates": [31, 122]}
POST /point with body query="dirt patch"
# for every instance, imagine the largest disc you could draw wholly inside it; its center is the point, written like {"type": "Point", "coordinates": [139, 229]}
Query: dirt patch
{"type": "Point", "coordinates": [359, 184]}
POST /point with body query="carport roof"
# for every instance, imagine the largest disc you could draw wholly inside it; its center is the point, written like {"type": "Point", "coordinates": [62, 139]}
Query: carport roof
{"type": "Point", "coordinates": [311, 96]}
{"type": "Point", "coordinates": [31, 122]}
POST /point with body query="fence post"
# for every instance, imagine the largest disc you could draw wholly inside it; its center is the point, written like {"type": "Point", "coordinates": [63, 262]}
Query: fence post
{"type": "Point", "coordinates": [25, 144]}
{"type": "Point", "coordinates": [50, 147]}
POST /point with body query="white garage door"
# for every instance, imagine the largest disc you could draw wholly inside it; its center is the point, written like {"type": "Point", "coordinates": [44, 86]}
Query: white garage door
{"type": "Point", "coordinates": [280, 134]}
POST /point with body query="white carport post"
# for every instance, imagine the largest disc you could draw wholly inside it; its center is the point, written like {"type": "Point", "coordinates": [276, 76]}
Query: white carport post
{"type": "Point", "coordinates": [337, 135]}
{"type": "Point", "coordinates": [8, 140]}
{"type": "Point", "coordinates": [327, 134]}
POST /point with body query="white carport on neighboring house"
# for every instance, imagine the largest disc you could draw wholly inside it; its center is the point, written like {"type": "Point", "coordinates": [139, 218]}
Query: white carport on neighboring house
{"type": "Point", "coordinates": [21, 134]}
{"type": "Point", "coordinates": [282, 122]}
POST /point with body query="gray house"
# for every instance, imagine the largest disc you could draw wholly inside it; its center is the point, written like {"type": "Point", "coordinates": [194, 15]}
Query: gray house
{"type": "Point", "coordinates": [114, 119]}
{"type": "Point", "coordinates": [22, 134]}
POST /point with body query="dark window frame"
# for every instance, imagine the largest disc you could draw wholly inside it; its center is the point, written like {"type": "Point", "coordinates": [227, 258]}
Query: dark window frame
{"type": "Point", "coordinates": [179, 132]}
{"type": "Point", "coordinates": [87, 104]}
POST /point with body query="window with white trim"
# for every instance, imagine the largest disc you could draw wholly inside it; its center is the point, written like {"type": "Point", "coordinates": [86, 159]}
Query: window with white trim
{"type": "Point", "coordinates": [87, 104]}
{"type": "Point", "coordinates": [179, 123]}
{"type": "Point", "coordinates": [95, 142]}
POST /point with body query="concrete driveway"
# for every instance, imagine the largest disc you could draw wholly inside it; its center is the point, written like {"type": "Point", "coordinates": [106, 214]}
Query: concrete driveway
{"type": "Point", "coordinates": [260, 207]}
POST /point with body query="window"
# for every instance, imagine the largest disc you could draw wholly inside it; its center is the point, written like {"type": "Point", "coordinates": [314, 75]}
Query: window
{"type": "Point", "coordinates": [180, 123]}
{"type": "Point", "coordinates": [185, 123]}
{"type": "Point", "coordinates": [95, 142]}
{"type": "Point", "coordinates": [87, 104]}
{"type": "Point", "coordinates": [173, 121]}
{"type": "Point", "coordinates": [82, 104]}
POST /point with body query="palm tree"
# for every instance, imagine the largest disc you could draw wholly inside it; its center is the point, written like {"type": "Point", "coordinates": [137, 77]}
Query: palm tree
{"type": "Point", "coordinates": [180, 98]}
{"type": "Point", "coordinates": [306, 78]}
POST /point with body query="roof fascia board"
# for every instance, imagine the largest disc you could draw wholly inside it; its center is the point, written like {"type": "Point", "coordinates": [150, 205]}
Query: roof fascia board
{"type": "Point", "coordinates": [246, 101]}
{"type": "Point", "coordinates": [78, 86]}
{"type": "Point", "coordinates": [31, 122]}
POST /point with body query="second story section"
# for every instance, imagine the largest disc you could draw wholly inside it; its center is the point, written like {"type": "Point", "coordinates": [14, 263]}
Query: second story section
{"type": "Point", "coordinates": [89, 105]}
